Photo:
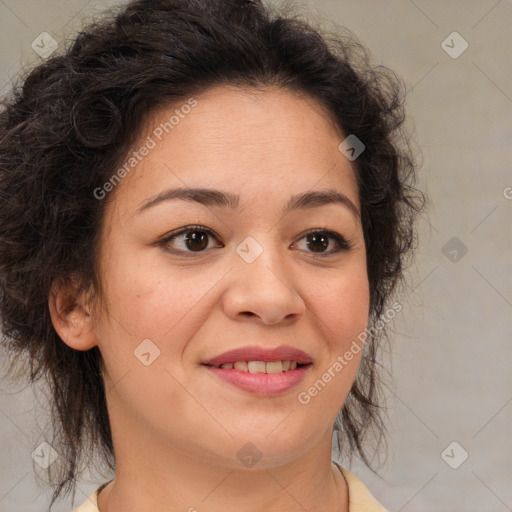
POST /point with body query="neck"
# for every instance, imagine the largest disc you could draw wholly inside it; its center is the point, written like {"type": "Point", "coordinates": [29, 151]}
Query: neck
{"type": "Point", "coordinates": [151, 478]}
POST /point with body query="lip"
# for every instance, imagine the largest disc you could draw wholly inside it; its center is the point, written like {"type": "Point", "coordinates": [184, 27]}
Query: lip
{"type": "Point", "coordinates": [261, 383]}
{"type": "Point", "coordinates": [255, 353]}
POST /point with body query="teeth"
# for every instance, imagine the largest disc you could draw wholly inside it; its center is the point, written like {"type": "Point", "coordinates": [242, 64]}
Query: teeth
{"type": "Point", "coordinates": [261, 366]}
{"type": "Point", "coordinates": [274, 367]}
{"type": "Point", "coordinates": [257, 366]}
{"type": "Point", "coordinates": [241, 365]}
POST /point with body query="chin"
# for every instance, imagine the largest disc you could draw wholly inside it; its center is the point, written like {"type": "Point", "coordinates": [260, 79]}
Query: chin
{"type": "Point", "coordinates": [261, 451]}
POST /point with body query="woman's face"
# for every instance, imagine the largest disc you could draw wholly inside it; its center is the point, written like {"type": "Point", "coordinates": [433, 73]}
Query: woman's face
{"type": "Point", "coordinates": [248, 279]}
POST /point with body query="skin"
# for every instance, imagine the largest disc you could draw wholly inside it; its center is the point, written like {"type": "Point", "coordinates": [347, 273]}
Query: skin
{"type": "Point", "coordinates": [176, 427]}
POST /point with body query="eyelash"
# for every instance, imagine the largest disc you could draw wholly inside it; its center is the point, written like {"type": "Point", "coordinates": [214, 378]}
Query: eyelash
{"type": "Point", "coordinates": [342, 244]}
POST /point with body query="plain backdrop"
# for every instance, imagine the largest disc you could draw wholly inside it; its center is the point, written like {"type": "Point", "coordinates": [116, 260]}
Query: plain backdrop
{"type": "Point", "coordinates": [450, 404]}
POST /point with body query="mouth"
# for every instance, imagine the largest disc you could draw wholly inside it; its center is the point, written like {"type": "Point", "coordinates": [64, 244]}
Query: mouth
{"type": "Point", "coordinates": [261, 371]}
{"type": "Point", "coordinates": [268, 367]}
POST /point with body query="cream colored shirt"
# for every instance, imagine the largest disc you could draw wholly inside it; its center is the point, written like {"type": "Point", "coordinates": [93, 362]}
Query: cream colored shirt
{"type": "Point", "coordinates": [359, 497]}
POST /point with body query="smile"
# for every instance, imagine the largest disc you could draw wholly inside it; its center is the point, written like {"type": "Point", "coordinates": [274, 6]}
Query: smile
{"type": "Point", "coordinates": [261, 370]}
{"type": "Point", "coordinates": [262, 366]}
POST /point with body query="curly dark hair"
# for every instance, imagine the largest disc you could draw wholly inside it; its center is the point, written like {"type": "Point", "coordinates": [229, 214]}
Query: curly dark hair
{"type": "Point", "coordinates": [72, 120]}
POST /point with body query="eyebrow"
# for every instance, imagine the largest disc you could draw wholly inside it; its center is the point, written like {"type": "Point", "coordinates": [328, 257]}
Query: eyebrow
{"type": "Point", "coordinates": [219, 198]}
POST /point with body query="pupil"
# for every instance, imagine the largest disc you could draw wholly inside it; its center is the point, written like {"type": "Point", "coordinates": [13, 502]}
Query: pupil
{"type": "Point", "coordinates": [201, 240]}
{"type": "Point", "coordinates": [315, 237]}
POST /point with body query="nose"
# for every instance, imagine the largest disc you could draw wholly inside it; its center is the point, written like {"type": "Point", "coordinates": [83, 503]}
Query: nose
{"type": "Point", "coordinates": [264, 288]}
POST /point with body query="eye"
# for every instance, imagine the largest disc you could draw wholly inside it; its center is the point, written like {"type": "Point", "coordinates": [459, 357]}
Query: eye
{"type": "Point", "coordinates": [191, 239]}
{"type": "Point", "coordinates": [195, 239]}
{"type": "Point", "coordinates": [318, 240]}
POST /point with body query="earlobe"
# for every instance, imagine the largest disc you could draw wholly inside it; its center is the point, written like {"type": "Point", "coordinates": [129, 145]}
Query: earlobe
{"type": "Point", "coordinates": [71, 317]}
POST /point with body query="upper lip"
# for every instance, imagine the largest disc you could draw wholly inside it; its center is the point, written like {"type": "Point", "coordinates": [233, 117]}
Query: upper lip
{"type": "Point", "coordinates": [255, 353]}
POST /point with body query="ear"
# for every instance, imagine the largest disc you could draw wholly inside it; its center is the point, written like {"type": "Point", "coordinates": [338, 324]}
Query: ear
{"type": "Point", "coordinates": [71, 316]}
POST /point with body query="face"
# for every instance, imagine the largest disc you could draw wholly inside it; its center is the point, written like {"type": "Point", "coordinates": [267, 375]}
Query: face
{"type": "Point", "coordinates": [187, 281]}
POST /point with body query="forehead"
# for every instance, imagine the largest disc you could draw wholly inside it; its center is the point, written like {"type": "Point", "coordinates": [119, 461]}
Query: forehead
{"type": "Point", "coordinates": [262, 145]}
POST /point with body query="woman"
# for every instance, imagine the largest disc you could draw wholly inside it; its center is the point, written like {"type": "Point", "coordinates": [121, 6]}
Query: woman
{"type": "Point", "coordinates": [206, 208]}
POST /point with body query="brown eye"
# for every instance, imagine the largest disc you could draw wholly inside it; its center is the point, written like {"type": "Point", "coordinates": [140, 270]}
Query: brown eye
{"type": "Point", "coordinates": [196, 240]}
{"type": "Point", "coordinates": [188, 240]}
{"type": "Point", "coordinates": [319, 240]}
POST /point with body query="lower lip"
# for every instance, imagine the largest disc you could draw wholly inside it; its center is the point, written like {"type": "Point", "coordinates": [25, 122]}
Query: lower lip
{"type": "Point", "coordinates": [261, 383]}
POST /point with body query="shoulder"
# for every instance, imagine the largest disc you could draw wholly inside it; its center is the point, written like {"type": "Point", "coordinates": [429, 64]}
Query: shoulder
{"type": "Point", "coordinates": [360, 498]}
{"type": "Point", "coordinates": [91, 504]}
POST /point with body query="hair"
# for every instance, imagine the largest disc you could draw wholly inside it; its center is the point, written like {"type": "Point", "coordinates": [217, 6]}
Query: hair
{"type": "Point", "coordinates": [70, 122]}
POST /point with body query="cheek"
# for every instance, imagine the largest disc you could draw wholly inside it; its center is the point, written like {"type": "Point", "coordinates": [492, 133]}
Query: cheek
{"type": "Point", "coordinates": [341, 302]}
{"type": "Point", "coordinates": [149, 298]}
{"type": "Point", "coordinates": [341, 308]}
{"type": "Point", "coordinates": [151, 312]}
{"type": "Point", "coordinates": [148, 301]}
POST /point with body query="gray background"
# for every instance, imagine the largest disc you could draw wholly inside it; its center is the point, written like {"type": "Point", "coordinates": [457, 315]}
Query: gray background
{"type": "Point", "coordinates": [451, 354]}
